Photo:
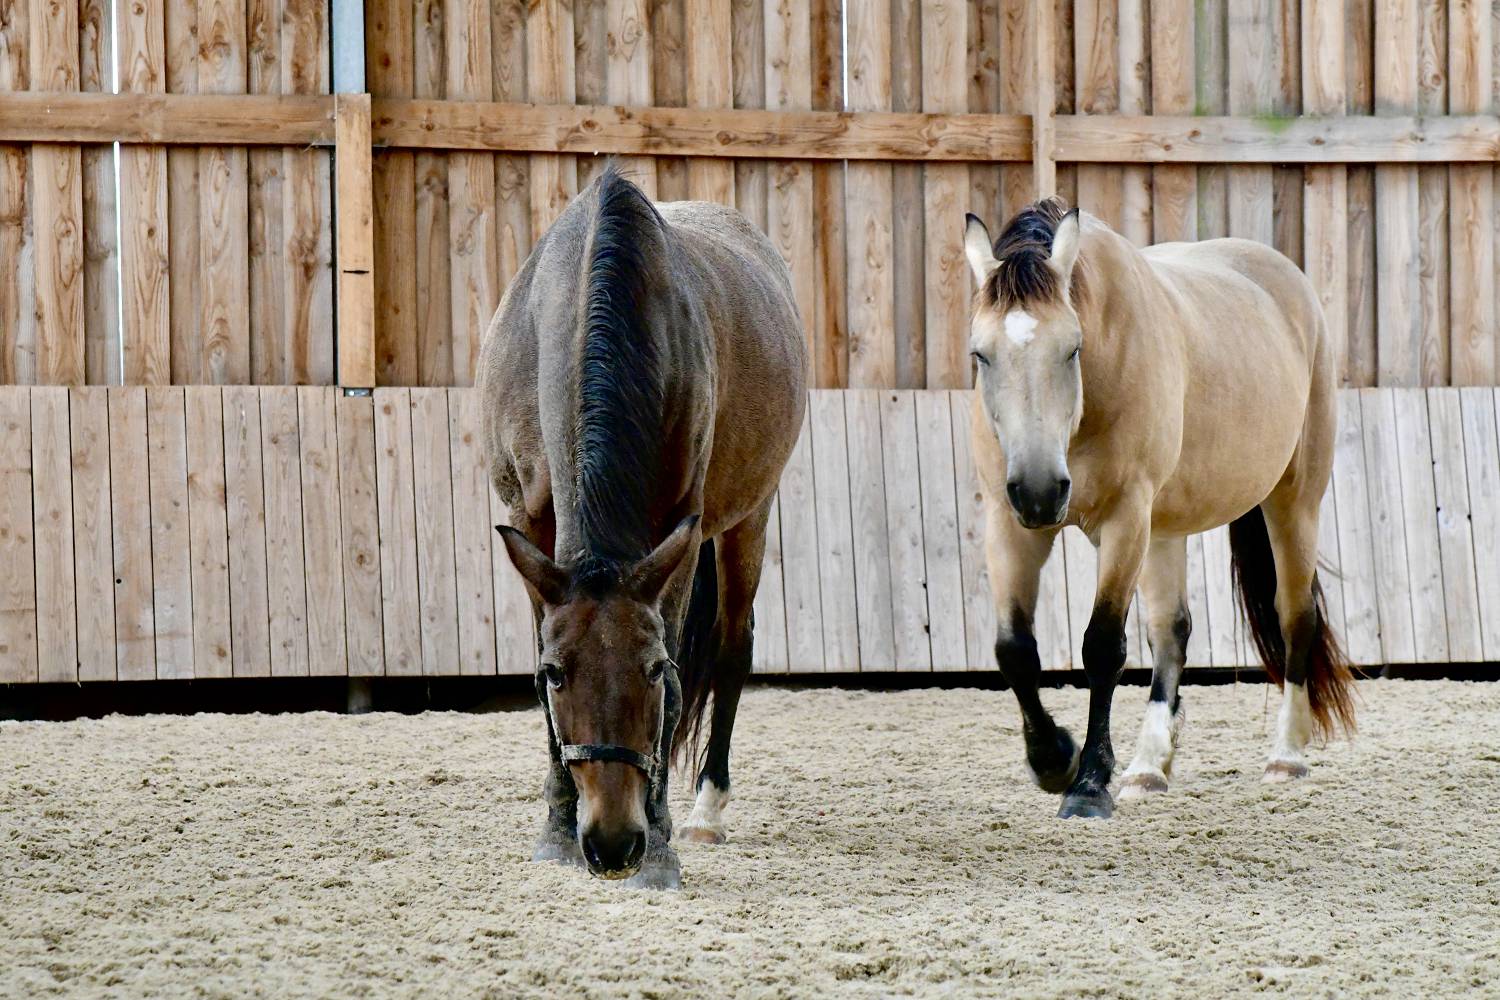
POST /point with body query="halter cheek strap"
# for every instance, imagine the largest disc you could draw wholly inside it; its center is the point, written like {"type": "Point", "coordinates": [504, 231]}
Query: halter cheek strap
{"type": "Point", "coordinates": [575, 753]}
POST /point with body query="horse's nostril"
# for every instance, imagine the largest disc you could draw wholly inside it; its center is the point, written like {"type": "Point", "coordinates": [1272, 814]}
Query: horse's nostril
{"type": "Point", "coordinates": [1013, 490]}
{"type": "Point", "coordinates": [637, 850]}
{"type": "Point", "coordinates": [1063, 486]}
{"type": "Point", "coordinates": [620, 851]}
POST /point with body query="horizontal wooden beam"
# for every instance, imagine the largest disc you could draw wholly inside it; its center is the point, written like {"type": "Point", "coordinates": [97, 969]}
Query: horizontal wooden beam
{"type": "Point", "coordinates": [167, 119]}
{"type": "Point", "coordinates": [1270, 139]}
{"type": "Point", "coordinates": [794, 135]}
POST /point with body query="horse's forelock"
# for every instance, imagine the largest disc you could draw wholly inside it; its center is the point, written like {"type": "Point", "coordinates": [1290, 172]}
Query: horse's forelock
{"type": "Point", "coordinates": [1023, 249]}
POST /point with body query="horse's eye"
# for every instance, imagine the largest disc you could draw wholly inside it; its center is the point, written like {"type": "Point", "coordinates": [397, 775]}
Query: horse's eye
{"type": "Point", "coordinates": [658, 670]}
{"type": "Point", "coordinates": [980, 358]}
{"type": "Point", "coordinates": [554, 675]}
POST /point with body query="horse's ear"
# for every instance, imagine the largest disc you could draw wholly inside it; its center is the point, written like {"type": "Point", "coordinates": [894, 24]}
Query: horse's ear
{"type": "Point", "coordinates": [979, 249]}
{"type": "Point", "coordinates": [1065, 247]}
{"type": "Point", "coordinates": [648, 578]}
{"type": "Point", "coordinates": [547, 579]}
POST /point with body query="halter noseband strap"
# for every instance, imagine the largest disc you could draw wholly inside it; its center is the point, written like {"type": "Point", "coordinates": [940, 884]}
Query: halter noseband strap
{"type": "Point", "coordinates": [574, 753]}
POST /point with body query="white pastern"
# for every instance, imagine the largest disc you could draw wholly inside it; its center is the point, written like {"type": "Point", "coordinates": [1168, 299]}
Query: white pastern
{"type": "Point", "coordinates": [1294, 728]}
{"type": "Point", "coordinates": [1154, 750]}
{"type": "Point", "coordinates": [1020, 327]}
{"type": "Point", "coordinates": [708, 810]}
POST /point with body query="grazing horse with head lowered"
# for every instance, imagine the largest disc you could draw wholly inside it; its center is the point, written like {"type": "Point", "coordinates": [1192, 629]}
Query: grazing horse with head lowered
{"type": "Point", "coordinates": [1146, 395]}
{"type": "Point", "coordinates": [644, 381]}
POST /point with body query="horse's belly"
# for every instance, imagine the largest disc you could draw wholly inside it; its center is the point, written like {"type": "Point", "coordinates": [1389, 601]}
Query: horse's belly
{"type": "Point", "coordinates": [1222, 483]}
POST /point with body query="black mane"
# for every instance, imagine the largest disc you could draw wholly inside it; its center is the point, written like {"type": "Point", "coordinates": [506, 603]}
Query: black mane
{"type": "Point", "coordinates": [1023, 250]}
{"type": "Point", "coordinates": [620, 390]}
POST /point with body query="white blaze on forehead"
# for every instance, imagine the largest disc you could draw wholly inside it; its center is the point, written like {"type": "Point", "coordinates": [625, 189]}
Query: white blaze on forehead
{"type": "Point", "coordinates": [1020, 327]}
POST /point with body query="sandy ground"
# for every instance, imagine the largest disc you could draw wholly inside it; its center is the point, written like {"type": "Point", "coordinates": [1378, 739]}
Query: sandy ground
{"type": "Point", "coordinates": [882, 844]}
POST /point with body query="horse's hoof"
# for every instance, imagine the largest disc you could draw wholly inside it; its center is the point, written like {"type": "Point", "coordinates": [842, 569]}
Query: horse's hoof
{"type": "Point", "coordinates": [556, 847]}
{"type": "Point", "coordinates": [1087, 805]}
{"type": "Point", "coordinates": [660, 870]}
{"type": "Point", "coordinates": [701, 835]}
{"type": "Point", "coordinates": [1054, 767]}
{"type": "Point", "coordinates": [1141, 785]}
{"type": "Point", "coordinates": [1279, 772]}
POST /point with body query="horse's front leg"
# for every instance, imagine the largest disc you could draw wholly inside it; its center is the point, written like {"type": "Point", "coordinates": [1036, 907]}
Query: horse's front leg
{"type": "Point", "coordinates": [1015, 556]}
{"type": "Point", "coordinates": [559, 838]}
{"type": "Point", "coordinates": [1122, 548]}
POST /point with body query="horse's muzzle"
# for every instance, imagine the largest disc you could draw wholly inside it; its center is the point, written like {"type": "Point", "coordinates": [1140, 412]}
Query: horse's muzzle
{"type": "Point", "coordinates": [1039, 504]}
{"type": "Point", "coordinates": [613, 854]}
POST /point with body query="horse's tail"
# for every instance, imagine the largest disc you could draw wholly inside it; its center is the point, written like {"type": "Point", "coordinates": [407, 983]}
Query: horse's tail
{"type": "Point", "coordinates": [1330, 689]}
{"type": "Point", "coordinates": [697, 652]}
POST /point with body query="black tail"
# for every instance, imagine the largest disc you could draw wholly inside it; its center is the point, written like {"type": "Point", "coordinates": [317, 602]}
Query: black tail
{"type": "Point", "coordinates": [1330, 690]}
{"type": "Point", "coordinates": [698, 652]}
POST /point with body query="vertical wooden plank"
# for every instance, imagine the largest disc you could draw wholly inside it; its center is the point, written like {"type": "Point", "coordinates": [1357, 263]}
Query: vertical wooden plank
{"type": "Point", "coordinates": [18, 610]}
{"type": "Point", "coordinates": [515, 623]}
{"type": "Point", "coordinates": [1211, 42]}
{"type": "Point", "coordinates": [512, 172]}
{"type": "Point", "coordinates": [669, 87]}
{"type": "Point", "coordinates": [1471, 203]}
{"type": "Point", "coordinates": [790, 219]}
{"type": "Point", "coordinates": [1433, 241]}
{"type": "Point", "coordinates": [390, 71]}
{"type": "Point", "coordinates": [52, 516]}
{"type": "Point", "coordinates": [1325, 198]}
{"type": "Point", "coordinates": [769, 655]}
{"type": "Point", "coordinates": [401, 616]}
{"type": "Point", "coordinates": [872, 558]}
{"type": "Point", "coordinates": [945, 590]}
{"type": "Point", "coordinates": [307, 216]}
{"type": "Point", "coordinates": [830, 314]}
{"type": "Point", "coordinates": [1252, 91]}
{"type": "Point", "coordinates": [356, 244]}
{"type": "Point", "coordinates": [748, 76]}
{"type": "Point", "coordinates": [1223, 605]}
{"type": "Point", "coordinates": [945, 27]}
{"type": "Point", "coordinates": [245, 501]}
{"type": "Point", "coordinates": [710, 65]}
{"type": "Point", "coordinates": [1082, 564]}
{"type": "Point", "coordinates": [472, 226]}
{"type": "Point", "coordinates": [432, 481]}
{"type": "Point", "coordinates": [1359, 61]}
{"type": "Point", "coordinates": [590, 34]}
{"type": "Point", "coordinates": [549, 80]}
{"type": "Point", "coordinates": [171, 534]}
{"type": "Point", "coordinates": [93, 541]}
{"type": "Point", "coordinates": [1482, 464]}
{"type": "Point", "coordinates": [1096, 58]}
{"type": "Point", "coordinates": [101, 261]}
{"type": "Point", "coordinates": [628, 75]}
{"type": "Point", "coordinates": [130, 510]}
{"type": "Point", "coordinates": [359, 522]}
{"type": "Point", "coordinates": [17, 287]}
{"type": "Point", "coordinates": [1044, 43]}
{"type": "Point", "coordinates": [979, 605]}
{"type": "Point", "coordinates": [1393, 581]}
{"type": "Point", "coordinates": [1454, 526]}
{"type": "Point", "coordinates": [1287, 181]}
{"type": "Point", "coordinates": [835, 531]}
{"type": "Point", "coordinates": [208, 525]}
{"type": "Point", "coordinates": [1199, 652]}
{"type": "Point", "coordinates": [1135, 61]}
{"type": "Point", "coordinates": [1398, 288]}
{"type": "Point", "coordinates": [1419, 513]}
{"type": "Point", "coordinates": [909, 288]}
{"type": "Point", "coordinates": [799, 557]}
{"type": "Point", "coordinates": [322, 532]}
{"type": "Point", "coordinates": [1330, 577]}
{"type": "Point", "coordinates": [868, 207]}
{"type": "Point", "coordinates": [1174, 187]}
{"type": "Point", "coordinates": [1362, 624]}
{"type": "Point", "coordinates": [990, 73]}
{"type": "Point", "coordinates": [286, 564]}
{"type": "Point", "coordinates": [223, 211]}
{"type": "Point", "coordinates": [57, 206]}
{"type": "Point", "coordinates": [145, 281]}
{"type": "Point", "coordinates": [183, 203]}
{"type": "Point", "coordinates": [903, 503]}
{"type": "Point", "coordinates": [433, 257]}
{"type": "Point", "coordinates": [472, 530]}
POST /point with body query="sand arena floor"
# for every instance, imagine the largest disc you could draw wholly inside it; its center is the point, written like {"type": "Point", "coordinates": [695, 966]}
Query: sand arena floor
{"type": "Point", "coordinates": [882, 844]}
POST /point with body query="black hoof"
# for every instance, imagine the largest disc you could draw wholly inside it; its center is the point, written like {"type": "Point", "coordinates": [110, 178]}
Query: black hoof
{"type": "Point", "coordinates": [1087, 805]}
{"type": "Point", "coordinates": [558, 847]}
{"type": "Point", "coordinates": [1054, 763]}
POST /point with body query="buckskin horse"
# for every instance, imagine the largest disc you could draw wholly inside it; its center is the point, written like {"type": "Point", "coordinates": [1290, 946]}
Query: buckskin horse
{"type": "Point", "coordinates": [643, 383]}
{"type": "Point", "coordinates": [1145, 395]}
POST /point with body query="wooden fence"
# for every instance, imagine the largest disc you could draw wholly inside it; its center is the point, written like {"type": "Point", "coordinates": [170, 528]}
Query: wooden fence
{"type": "Point", "coordinates": [282, 531]}
{"type": "Point", "coordinates": [1359, 137]}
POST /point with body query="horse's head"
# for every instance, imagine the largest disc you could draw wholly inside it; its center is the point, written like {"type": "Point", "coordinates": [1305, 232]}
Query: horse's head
{"type": "Point", "coordinates": [603, 681]}
{"type": "Point", "coordinates": [1025, 336]}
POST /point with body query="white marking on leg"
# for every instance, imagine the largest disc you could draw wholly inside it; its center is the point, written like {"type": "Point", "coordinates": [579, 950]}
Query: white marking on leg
{"type": "Point", "coordinates": [1154, 749]}
{"type": "Point", "coordinates": [708, 811]}
{"type": "Point", "coordinates": [1020, 327]}
{"type": "Point", "coordinates": [1293, 729]}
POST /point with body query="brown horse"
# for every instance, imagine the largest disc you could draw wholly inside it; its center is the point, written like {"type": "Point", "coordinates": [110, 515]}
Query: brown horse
{"type": "Point", "coordinates": [1146, 395]}
{"type": "Point", "coordinates": [644, 381]}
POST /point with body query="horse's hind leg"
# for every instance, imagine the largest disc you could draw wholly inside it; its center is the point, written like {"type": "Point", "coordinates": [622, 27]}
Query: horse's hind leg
{"type": "Point", "coordinates": [1015, 557]}
{"type": "Point", "coordinates": [1164, 586]}
{"type": "Point", "coordinates": [740, 552]}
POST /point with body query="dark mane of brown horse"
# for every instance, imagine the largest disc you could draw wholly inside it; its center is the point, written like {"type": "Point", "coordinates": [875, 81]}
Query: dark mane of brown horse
{"type": "Point", "coordinates": [620, 386]}
{"type": "Point", "coordinates": [1023, 250]}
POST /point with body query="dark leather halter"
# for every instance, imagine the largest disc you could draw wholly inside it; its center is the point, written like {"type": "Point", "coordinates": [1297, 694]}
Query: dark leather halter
{"type": "Point", "coordinates": [573, 753]}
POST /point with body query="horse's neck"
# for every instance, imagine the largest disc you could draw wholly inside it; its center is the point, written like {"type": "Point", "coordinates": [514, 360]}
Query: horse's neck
{"type": "Point", "coordinates": [1109, 314]}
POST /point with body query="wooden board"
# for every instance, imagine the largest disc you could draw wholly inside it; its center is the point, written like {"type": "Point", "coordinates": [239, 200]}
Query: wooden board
{"type": "Point", "coordinates": [769, 653]}
{"type": "Point", "coordinates": [1174, 187]}
{"type": "Point", "coordinates": [1482, 464]}
{"type": "Point", "coordinates": [223, 190]}
{"type": "Point", "coordinates": [1393, 590]}
{"type": "Point", "coordinates": [52, 516]}
{"type": "Point", "coordinates": [872, 559]}
{"type": "Point", "coordinates": [286, 566]}
{"type": "Point", "coordinates": [1471, 202]}
{"type": "Point", "coordinates": [432, 480]}
{"type": "Point", "coordinates": [979, 603]}
{"type": "Point", "coordinates": [945, 588]}
{"type": "Point", "coordinates": [101, 258]}
{"type": "Point", "coordinates": [799, 558]}
{"type": "Point", "coordinates": [245, 501]}
{"type": "Point", "coordinates": [708, 36]}
{"type": "Point", "coordinates": [903, 502]}
{"type": "Point", "coordinates": [1199, 650]}
{"type": "Point", "coordinates": [171, 534]}
{"type": "Point", "coordinates": [515, 620]}
{"type": "Point", "coordinates": [401, 615]}
{"type": "Point", "coordinates": [830, 454]}
{"type": "Point", "coordinates": [322, 530]}
{"type": "Point", "coordinates": [93, 537]}
{"type": "Point", "coordinates": [868, 207]}
{"type": "Point", "coordinates": [1455, 533]}
{"type": "Point", "coordinates": [1223, 606]}
{"type": "Point", "coordinates": [359, 524]}
{"type": "Point", "coordinates": [1419, 513]}
{"type": "Point", "coordinates": [208, 525]}
{"type": "Point", "coordinates": [473, 530]}
{"type": "Point", "coordinates": [549, 58]}
{"type": "Point", "coordinates": [130, 509]}
{"type": "Point", "coordinates": [18, 611]}
{"type": "Point", "coordinates": [390, 72]}
{"type": "Point", "coordinates": [789, 185]}
{"type": "Point", "coordinates": [355, 253]}
{"type": "Point", "coordinates": [1362, 624]}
